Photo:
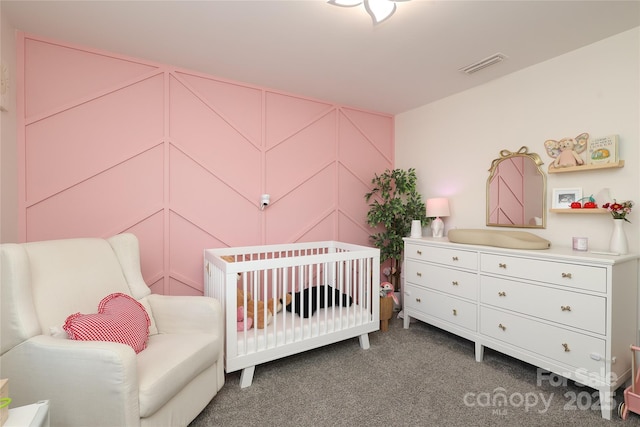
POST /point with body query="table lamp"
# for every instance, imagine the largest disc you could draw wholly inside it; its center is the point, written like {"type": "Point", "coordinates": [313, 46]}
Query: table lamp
{"type": "Point", "coordinates": [436, 208]}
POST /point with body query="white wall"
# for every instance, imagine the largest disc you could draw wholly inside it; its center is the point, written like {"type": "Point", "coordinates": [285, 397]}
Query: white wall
{"type": "Point", "coordinates": [595, 89]}
{"type": "Point", "coordinates": [8, 145]}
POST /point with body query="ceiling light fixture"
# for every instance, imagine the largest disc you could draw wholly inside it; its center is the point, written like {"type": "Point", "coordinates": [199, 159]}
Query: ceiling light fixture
{"type": "Point", "coordinates": [380, 10]}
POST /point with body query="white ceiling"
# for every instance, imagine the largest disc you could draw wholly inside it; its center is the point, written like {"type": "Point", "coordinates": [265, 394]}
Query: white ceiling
{"type": "Point", "coordinates": [312, 48]}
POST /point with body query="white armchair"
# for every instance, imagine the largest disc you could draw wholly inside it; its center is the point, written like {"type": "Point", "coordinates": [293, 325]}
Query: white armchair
{"type": "Point", "coordinates": [100, 383]}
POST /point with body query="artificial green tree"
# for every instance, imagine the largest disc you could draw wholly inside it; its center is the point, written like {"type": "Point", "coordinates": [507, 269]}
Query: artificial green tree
{"type": "Point", "coordinates": [394, 203]}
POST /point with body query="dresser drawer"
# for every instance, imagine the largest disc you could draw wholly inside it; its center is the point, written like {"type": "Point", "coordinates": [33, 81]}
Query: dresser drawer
{"type": "Point", "coordinates": [455, 282]}
{"type": "Point", "coordinates": [453, 310]}
{"type": "Point", "coordinates": [452, 257]}
{"type": "Point", "coordinates": [569, 347]}
{"type": "Point", "coordinates": [569, 308]}
{"type": "Point", "coordinates": [586, 277]}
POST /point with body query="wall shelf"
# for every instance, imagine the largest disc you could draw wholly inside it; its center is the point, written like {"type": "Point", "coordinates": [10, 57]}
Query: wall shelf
{"type": "Point", "coordinates": [580, 211]}
{"type": "Point", "coordinates": [618, 164]}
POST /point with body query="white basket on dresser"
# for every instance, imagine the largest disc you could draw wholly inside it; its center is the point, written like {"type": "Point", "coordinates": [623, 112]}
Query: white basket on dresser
{"type": "Point", "coordinates": [568, 312]}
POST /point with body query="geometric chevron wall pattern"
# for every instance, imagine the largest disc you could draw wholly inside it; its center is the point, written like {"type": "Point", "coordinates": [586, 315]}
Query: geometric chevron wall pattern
{"type": "Point", "coordinates": [181, 158]}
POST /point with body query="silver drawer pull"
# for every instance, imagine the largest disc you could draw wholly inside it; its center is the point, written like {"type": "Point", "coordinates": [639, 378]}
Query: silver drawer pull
{"type": "Point", "coordinates": [454, 283]}
{"type": "Point", "coordinates": [418, 300]}
{"type": "Point", "coordinates": [566, 347]}
{"type": "Point", "coordinates": [455, 312]}
{"type": "Point", "coordinates": [419, 274]}
{"type": "Point", "coordinates": [501, 326]}
{"type": "Point", "coordinates": [566, 275]}
{"type": "Point", "coordinates": [455, 258]}
{"type": "Point", "coordinates": [419, 252]}
{"type": "Point", "coordinates": [565, 307]}
{"type": "Point", "coordinates": [502, 294]}
{"type": "Point", "coordinates": [501, 265]}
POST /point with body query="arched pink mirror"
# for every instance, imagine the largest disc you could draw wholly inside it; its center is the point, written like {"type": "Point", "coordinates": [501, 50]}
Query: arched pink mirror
{"type": "Point", "coordinates": [516, 190]}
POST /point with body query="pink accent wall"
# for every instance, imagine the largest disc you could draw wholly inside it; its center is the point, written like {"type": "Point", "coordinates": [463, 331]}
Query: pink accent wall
{"type": "Point", "coordinates": [109, 144]}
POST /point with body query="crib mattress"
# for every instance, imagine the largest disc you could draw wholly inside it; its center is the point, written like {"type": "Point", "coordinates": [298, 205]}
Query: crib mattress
{"type": "Point", "coordinates": [287, 328]}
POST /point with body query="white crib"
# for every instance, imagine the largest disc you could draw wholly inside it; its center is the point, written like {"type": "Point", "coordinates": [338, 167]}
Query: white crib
{"type": "Point", "coordinates": [274, 271]}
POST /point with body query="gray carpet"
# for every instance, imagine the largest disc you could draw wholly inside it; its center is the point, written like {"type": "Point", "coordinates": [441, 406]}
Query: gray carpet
{"type": "Point", "coordinates": [422, 376]}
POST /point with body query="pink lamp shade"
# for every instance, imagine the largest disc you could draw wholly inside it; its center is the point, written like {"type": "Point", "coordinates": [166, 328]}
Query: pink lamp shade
{"type": "Point", "coordinates": [436, 208]}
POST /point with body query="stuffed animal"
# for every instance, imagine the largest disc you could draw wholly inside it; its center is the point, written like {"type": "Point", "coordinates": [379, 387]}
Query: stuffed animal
{"type": "Point", "coordinates": [255, 310]}
{"type": "Point", "coordinates": [252, 316]}
{"type": "Point", "coordinates": [300, 304]}
{"type": "Point", "coordinates": [258, 317]}
{"type": "Point", "coordinates": [566, 152]}
{"type": "Point", "coordinates": [241, 321]}
{"type": "Point", "coordinates": [386, 290]}
{"type": "Point", "coordinates": [286, 301]}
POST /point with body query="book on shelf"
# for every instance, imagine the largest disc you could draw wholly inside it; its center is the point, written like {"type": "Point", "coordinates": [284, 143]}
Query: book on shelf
{"type": "Point", "coordinates": [602, 150]}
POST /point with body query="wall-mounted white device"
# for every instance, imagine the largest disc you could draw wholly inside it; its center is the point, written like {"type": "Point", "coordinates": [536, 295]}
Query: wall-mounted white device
{"type": "Point", "coordinates": [264, 201]}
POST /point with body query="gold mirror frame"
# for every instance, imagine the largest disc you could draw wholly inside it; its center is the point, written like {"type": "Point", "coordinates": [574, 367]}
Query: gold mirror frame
{"type": "Point", "coordinates": [532, 163]}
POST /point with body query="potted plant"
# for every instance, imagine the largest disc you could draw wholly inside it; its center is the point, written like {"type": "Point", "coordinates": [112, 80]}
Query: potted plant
{"type": "Point", "coordinates": [394, 203]}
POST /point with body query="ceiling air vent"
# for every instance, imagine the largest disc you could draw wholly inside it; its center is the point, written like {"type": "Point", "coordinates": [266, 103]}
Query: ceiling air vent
{"type": "Point", "coordinates": [486, 62]}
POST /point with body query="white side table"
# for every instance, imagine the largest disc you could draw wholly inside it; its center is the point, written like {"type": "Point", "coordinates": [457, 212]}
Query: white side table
{"type": "Point", "coordinates": [34, 415]}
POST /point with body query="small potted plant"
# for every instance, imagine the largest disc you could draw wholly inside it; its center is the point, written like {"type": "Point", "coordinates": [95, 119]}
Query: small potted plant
{"type": "Point", "coordinates": [394, 202]}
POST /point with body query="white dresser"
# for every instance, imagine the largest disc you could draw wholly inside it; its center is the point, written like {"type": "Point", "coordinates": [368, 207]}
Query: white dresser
{"type": "Point", "coordinates": [572, 313]}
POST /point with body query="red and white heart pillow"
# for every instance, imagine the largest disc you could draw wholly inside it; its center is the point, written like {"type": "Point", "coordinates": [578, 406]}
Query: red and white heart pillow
{"type": "Point", "coordinates": [120, 318]}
